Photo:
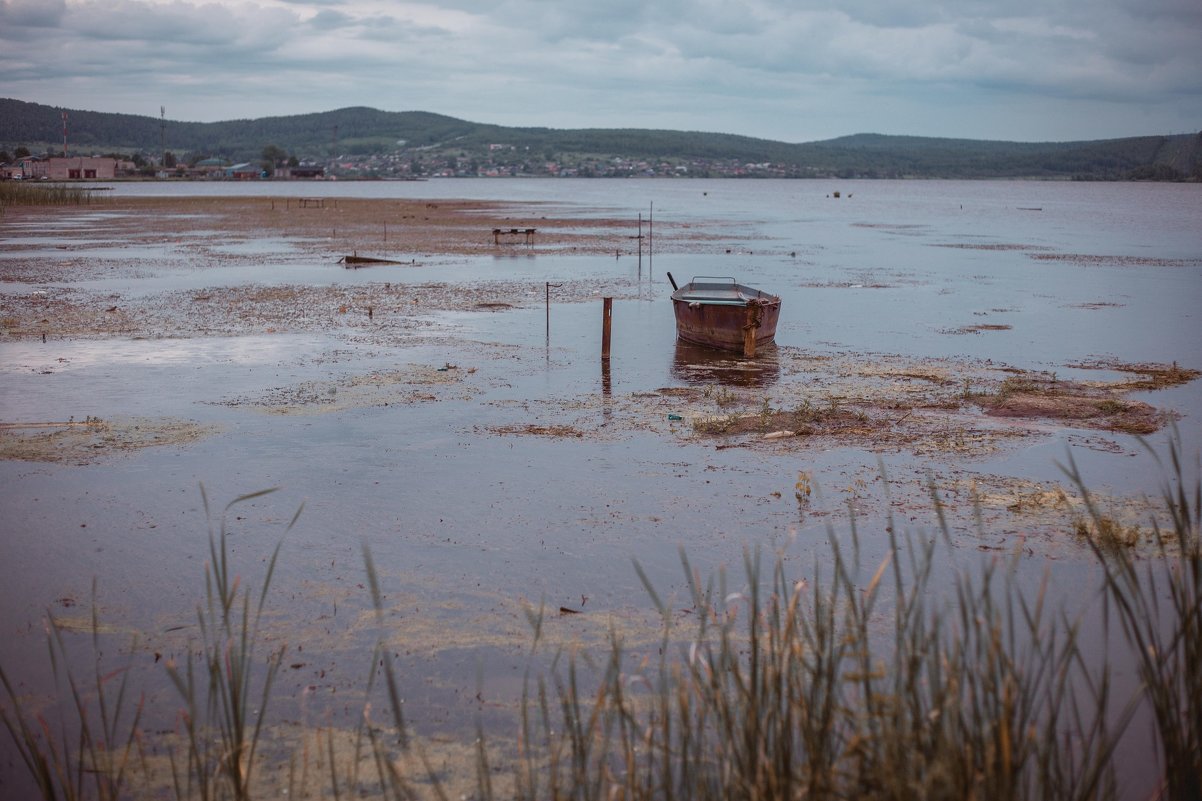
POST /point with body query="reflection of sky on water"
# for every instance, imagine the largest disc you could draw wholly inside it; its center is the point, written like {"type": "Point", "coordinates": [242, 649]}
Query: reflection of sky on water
{"type": "Point", "coordinates": [907, 267]}
{"type": "Point", "coordinates": [83, 354]}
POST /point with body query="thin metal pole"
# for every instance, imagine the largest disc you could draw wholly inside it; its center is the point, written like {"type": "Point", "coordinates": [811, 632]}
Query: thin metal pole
{"type": "Point", "coordinates": [548, 291]}
{"type": "Point", "coordinates": [650, 238]}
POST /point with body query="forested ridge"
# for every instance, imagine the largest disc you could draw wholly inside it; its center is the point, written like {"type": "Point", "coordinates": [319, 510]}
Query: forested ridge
{"type": "Point", "coordinates": [429, 142]}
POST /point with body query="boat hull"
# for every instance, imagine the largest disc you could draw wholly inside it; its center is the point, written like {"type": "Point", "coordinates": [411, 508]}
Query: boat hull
{"type": "Point", "coordinates": [738, 319]}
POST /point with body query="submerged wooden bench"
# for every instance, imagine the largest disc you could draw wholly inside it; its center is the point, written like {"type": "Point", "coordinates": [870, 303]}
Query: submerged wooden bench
{"type": "Point", "coordinates": [528, 233]}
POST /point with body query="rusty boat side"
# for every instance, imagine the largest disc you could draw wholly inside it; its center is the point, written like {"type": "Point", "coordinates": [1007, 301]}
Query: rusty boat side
{"type": "Point", "coordinates": [722, 313]}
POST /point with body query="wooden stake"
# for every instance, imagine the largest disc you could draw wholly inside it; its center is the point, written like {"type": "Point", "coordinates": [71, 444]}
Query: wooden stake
{"type": "Point", "coordinates": [607, 312]}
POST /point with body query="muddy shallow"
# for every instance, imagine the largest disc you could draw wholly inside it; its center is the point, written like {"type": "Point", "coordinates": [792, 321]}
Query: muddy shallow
{"type": "Point", "coordinates": [429, 411]}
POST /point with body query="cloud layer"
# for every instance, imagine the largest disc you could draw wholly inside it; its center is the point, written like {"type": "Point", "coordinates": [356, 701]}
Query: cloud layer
{"type": "Point", "coordinates": [996, 69]}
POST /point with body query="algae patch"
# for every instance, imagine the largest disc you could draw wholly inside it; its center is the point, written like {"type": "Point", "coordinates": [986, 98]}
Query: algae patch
{"type": "Point", "coordinates": [92, 439]}
{"type": "Point", "coordinates": [415, 384]}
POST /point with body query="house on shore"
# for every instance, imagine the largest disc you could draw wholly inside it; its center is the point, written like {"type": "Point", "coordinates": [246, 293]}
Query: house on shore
{"type": "Point", "coordinates": [207, 168]}
{"type": "Point", "coordinates": [71, 168]}
{"type": "Point", "coordinates": [301, 172]}
{"type": "Point", "coordinates": [244, 172]}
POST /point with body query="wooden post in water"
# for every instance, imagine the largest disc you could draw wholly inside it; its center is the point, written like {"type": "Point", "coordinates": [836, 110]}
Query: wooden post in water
{"type": "Point", "coordinates": [607, 317]}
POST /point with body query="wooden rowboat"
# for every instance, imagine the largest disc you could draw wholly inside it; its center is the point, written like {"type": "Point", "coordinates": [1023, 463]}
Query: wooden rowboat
{"type": "Point", "coordinates": [355, 260]}
{"type": "Point", "coordinates": [722, 313]}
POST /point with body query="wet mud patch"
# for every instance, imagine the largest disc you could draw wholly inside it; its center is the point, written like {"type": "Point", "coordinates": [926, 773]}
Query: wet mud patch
{"type": "Point", "coordinates": [413, 385]}
{"type": "Point", "coordinates": [66, 312]}
{"type": "Point", "coordinates": [976, 329]}
{"type": "Point", "coordinates": [1151, 376]}
{"type": "Point", "coordinates": [1055, 516]}
{"type": "Point", "coordinates": [898, 228]}
{"type": "Point", "coordinates": [1096, 405]}
{"type": "Point", "coordinates": [384, 309]}
{"type": "Point", "coordinates": [882, 403]}
{"type": "Point", "coordinates": [236, 310]}
{"type": "Point", "coordinates": [552, 431]}
{"type": "Point", "coordinates": [93, 439]}
{"type": "Point", "coordinates": [847, 285]}
{"type": "Point", "coordinates": [1102, 260]}
{"type": "Point", "coordinates": [401, 229]}
{"type": "Point", "coordinates": [990, 246]}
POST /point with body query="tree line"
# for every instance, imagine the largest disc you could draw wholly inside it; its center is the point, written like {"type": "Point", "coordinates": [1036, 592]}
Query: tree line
{"type": "Point", "coordinates": [324, 136]}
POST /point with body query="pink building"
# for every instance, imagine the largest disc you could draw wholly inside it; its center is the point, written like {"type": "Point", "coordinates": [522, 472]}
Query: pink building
{"type": "Point", "coordinates": [57, 168]}
{"type": "Point", "coordinates": [84, 168]}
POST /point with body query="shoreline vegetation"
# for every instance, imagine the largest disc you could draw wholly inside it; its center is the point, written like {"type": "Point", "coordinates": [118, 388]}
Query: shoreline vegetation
{"type": "Point", "coordinates": [419, 144]}
{"type": "Point", "coordinates": [867, 681]}
{"type": "Point", "coordinates": [22, 193]}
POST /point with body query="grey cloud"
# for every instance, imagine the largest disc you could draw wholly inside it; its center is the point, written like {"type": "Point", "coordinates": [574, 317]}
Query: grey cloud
{"type": "Point", "coordinates": [212, 24]}
{"type": "Point", "coordinates": [327, 20]}
{"type": "Point", "coordinates": [15, 14]}
{"type": "Point", "coordinates": [761, 67]}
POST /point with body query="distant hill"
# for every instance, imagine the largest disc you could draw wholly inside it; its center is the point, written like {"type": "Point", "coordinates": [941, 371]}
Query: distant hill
{"type": "Point", "coordinates": [427, 142]}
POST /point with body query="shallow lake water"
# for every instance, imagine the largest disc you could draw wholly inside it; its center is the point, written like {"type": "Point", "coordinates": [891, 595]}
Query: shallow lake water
{"type": "Point", "coordinates": [466, 523]}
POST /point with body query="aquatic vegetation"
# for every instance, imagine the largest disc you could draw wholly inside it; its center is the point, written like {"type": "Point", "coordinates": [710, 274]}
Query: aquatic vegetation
{"type": "Point", "coordinates": [912, 677]}
{"type": "Point", "coordinates": [93, 745]}
{"type": "Point", "coordinates": [25, 193]}
{"type": "Point", "coordinates": [222, 729]}
{"type": "Point", "coordinates": [1103, 407]}
{"type": "Point", "coordinates": [853, 686]}
{"type": "Point", "coordinates": [1165, 636]}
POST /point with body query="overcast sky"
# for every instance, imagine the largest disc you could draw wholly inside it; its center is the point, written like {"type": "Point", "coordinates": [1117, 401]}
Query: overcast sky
{"type": "Point", "coordinates": [792, 70]}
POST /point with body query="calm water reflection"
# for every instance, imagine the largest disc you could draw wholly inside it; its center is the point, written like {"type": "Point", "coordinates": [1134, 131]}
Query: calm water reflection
{"type": "Point", "coordinates": [468, 518]}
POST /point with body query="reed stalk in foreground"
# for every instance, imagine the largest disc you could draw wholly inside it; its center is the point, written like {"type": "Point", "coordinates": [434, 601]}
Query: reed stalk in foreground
{"type": "Point", "coordinates": [221, 727]}
{"type": "Point", "coordinates": [905, 679]}
{"type": "Point", "coordinates": [1160, 609]}
{"type": "Point", "coordinates": [854, 686]}
{"type": "Point", "coordinates": [93, 746]}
